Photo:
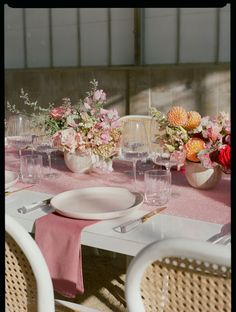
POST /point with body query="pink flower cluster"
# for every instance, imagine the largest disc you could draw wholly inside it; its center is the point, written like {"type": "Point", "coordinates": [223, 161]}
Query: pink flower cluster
{"type": "Point", "coordinates": [216, 133]}
{"type": "Point", "coordinates": [60, 112]}
{"type": "Point", "coordinates": [87, 126]}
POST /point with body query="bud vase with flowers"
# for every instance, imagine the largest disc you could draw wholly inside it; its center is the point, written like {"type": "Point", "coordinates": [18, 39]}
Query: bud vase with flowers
{"type": "Point", "coordinates": [206, 141]}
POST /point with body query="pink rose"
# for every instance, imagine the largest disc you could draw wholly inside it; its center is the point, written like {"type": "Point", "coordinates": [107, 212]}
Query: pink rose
{"type": "Point", "coordinates": [59, 112]}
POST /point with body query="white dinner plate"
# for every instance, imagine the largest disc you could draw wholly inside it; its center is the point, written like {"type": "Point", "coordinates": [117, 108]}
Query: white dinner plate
{"type": "Point", "coordinates": [97, 203]}
{"type": "Point", "coordinates": [10, 179]}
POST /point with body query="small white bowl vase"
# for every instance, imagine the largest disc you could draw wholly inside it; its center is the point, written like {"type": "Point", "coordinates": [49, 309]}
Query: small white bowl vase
{"type": "Point", "coordinates": [200, 177]}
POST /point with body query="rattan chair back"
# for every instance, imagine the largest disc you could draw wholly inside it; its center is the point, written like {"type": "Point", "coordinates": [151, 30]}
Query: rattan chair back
{"type": "Point", "coordinates": [181, 284]}
{"type": "Point", "coordinates": [21, 290]}
{"type": "Point", "coordinates": [144, 118]}
{"type": "Point", "coordinates": [28, 285]}
{"type": "Point", "coordinates": [184, 285]}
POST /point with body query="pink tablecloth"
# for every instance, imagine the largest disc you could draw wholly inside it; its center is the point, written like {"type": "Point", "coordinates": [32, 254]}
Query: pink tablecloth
{"type": "Point", "coordinates": [206, 205]}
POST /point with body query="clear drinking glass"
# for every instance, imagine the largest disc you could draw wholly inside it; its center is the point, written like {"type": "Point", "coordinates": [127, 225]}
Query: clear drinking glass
{"type": "Point", "coordinates": [44, 144]}
{"type": "Point", "coordinates": [19, 131]}
{"type": "Point", "coordinates": [134, 143]}
{"type": "Point", "coordinates": [31, 168]}
{"type": "Point", "coordinates": [157, 186]}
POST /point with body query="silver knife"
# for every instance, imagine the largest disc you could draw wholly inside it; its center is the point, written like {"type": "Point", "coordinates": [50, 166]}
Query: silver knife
{"type": "Point", "coordinates": [129, 225]}
{"type": "Point", "coordinates": [31, 207]}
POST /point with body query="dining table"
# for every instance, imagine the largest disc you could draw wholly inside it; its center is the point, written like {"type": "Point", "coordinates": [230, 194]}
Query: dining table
{"type": "Point", "coordinates": [190, 212]}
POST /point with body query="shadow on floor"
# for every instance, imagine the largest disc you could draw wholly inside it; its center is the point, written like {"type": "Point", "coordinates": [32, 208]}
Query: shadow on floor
{"type": "Point", "coordinates": [104, 278]}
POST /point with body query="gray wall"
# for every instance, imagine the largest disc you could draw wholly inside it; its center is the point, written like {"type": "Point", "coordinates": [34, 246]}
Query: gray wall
{"type": "Point", "coordinates": [202, 87]}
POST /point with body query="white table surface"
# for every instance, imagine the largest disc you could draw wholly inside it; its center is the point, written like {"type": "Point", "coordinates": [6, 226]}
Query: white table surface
{"type": "Point", "coordinates": [101, 234]}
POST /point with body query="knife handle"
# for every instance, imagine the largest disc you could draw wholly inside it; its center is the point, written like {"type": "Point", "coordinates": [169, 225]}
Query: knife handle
{"type": "Point", "coordinates": [151, 214]}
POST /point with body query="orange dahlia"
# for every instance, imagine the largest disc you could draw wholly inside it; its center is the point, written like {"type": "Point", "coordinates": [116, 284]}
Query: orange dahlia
{"type": "Point", "coordinates": [194, 146]}
{"type": "Point", "coordinates": [177, 116]}
{"type": "Point", "coordinates": [194, 120]}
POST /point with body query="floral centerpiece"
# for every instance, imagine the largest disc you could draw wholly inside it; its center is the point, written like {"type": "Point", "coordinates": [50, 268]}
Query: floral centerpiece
{"type": "Point", "coordinates": [87, 126]}
{"type": "Point", "coordinates": [206, 140]}
{"type": "Point", "coordinates": [79, 128]}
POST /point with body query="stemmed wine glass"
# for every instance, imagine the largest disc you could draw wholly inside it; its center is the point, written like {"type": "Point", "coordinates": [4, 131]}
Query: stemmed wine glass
{"type": "Point", "coordinates": [169, 160]}
{"type": "Point", "coordinates": [134, 143]}
{"type": "Point", "coordinates": [19, 132]}
{"type": "Point", "coordinates": [160, 155]}
{"type": "Point", "coordinates": [44, 144]}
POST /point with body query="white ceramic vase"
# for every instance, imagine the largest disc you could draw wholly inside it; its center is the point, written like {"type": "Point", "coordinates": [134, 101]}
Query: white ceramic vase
{"type": "Point", "coordinates": [78, 163]}
{"type": "Point", "coordinates": [200, 177]}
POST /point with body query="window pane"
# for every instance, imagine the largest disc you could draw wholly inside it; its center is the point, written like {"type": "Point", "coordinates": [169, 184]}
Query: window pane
{"type": "Point", "coordinates": [94, 36]}
{"type": "Point", "coordinates": [65, 47]}
{"type": "Point", "coordinates": [197, 35]}
{"type": "Point", "coordinates": [224, 53]}
{"type": "Point", "coordinates": [122, 36]}
{"type": "Point", "coordinates": [37, 37]}
{"type": "Point", "coordinates": [160, 35]}
{"type": "Point", "coordinates": [13, 35]}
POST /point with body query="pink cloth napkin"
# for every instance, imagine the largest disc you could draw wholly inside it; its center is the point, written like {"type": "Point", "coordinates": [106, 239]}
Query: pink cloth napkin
{"type": "Point", "coordinates": [58, 237]}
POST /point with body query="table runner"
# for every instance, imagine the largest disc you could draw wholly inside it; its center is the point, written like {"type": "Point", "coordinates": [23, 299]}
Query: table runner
{"type": "Point", "coordinates": [212, 205]}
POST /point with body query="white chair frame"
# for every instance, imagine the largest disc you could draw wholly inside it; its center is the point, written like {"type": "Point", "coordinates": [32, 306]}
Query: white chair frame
{"type": "Point", "coordinates": [205, 251]}
{"type": "Point", "coordinates": [123, 118]}
{"type": "Point", "coordinates": [45, 293]}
